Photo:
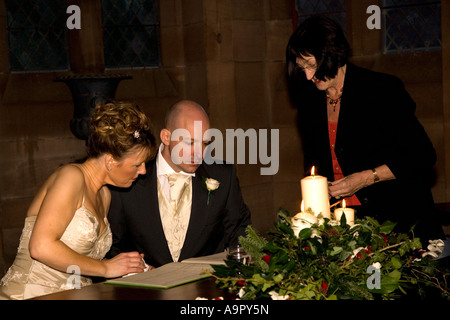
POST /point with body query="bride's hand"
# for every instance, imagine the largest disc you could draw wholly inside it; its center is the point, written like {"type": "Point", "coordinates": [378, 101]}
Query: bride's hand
{"type": "Point", "coordinates": [124, 263]}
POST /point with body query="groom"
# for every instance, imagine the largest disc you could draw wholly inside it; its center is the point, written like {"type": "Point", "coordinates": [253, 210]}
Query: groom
{"type": "Point", "coordinates": [169, 214]}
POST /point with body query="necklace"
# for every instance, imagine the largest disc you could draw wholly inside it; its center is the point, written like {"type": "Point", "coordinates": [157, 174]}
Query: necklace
{"type": "Point", "coordinates": [334, 102]}
{"type": "Point", "coordinates": [336, 84]}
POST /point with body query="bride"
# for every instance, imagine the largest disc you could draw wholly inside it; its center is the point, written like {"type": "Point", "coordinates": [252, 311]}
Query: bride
{"type": "Point", "coordinates": [66, 227]}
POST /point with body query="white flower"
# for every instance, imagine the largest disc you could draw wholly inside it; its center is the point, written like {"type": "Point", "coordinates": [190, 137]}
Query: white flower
{"type": "Point", "coordinates": [334, 223]}
{"type": "Point", "coordinates": [376, 265]}
{"type": "Point", "coordinates": [435, 245]}
{"type": "Point", "coordinates": [301, 221]}
{"type": "Point", "coordinates": [356, 251]}
{"type": "Point", "coordinates": [275, 296]}
{"type": "Point", "coordinates": [211, 184]}
{"type": "Point", "coordinates": [435, 248]}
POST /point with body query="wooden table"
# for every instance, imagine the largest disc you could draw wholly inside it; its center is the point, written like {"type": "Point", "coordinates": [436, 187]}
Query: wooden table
{"type": "Point", "coordinates": [179, 302]}
{"type": "Point", "coordinates": [205, 288]}
{"type": "Point", "coordinates": [174, 303]}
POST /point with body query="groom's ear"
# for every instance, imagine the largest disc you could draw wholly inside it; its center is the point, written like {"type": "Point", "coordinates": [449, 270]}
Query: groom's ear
{"type": "Point", "coordinates": [165, 135]}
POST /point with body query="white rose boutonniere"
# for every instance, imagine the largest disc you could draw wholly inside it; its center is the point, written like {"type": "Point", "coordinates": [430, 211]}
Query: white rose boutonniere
{"type": "Point", "coordinates": [210, 185]}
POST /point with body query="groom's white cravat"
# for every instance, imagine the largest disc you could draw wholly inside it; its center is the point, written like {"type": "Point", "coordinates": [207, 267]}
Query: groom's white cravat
{"type": "Point", "coordinates": [163, 170]}
{"type": "Point", "coordinates": [175, 212]}
{"type": "Point", "coordinates": [177, 183]}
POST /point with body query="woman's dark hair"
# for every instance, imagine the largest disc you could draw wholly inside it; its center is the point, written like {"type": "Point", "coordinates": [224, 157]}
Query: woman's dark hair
{"type": "Point", "coordinates": [322, 38]}
{"type": "Point", "coordinates": [118, 128]}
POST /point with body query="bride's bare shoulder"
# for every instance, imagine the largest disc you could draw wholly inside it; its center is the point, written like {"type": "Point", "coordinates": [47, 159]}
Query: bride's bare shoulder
{"type": "Point", "coordinates": [68, 177]}
{"type": "Point", "coordinates": [66, 180]}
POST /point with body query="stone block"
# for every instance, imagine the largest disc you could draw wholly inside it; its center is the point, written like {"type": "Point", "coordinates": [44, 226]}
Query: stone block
{"type": "Point", "coordinates": [283, 113]}
{"type": "Point", "coordinates": [252, 95]}
{"type": "Point", "coordinates": [170, 13]}
{"type": "Point", "coordinates": [278, 33]}
{"type": "Point", "coordinates": [259, 199]}
{"type": "Point", "coordinates": [193, 11]}
{"type": "Point", "coordinates": [249, 40]}
{"type": "Point", "coordinates": [248, 9]}
{"type": "Point", "coordinates": [32, 119]}
{"type": "Point", "coordinates": [281, 10]}
{"type": "Point", "coordinates": [288, 196]}
{"type": "Point", "coordinates": [290, 156]}
{"type": "Point", "coordinates": [27, 163]}
{"type": "Point", "coordinates": [172, 53]}
{"type": "Point", "coordinates": [194, 43]}
{"type": "Point", "coordinates": [221, 89]}
{"type": "Point", "coordinates": [196, 86]}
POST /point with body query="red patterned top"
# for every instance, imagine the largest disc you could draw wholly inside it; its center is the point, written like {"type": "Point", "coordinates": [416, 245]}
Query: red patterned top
{"type": "Point", "coordinates": [332, 130]}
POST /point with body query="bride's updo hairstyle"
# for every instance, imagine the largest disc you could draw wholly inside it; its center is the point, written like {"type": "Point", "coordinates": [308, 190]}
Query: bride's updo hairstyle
{"type": "Point", "coordinates": [119, 128]}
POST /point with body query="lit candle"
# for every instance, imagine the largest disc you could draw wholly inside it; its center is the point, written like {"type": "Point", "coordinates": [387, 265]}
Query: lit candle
{"type": "Point", "coordinates": [348, 212]}
{"type": "Point", "coordinates": [315, 194]}
{"type": "Point", "coordinates": [302, 220]}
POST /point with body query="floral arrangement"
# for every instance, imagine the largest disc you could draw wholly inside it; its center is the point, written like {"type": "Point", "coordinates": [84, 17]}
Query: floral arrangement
{"type": "Point", "coordinates": [333, 260]}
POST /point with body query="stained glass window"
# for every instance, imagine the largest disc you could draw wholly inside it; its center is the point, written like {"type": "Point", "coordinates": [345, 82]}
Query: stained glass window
{"type": "Point", "coordinates": [411, 25]}
{"type": "Point", "coordinates": [37, 35]}
{"type": "Point", "coordinates": [131, 33]}
{"type": "Point", "coordinates": [334, 9]}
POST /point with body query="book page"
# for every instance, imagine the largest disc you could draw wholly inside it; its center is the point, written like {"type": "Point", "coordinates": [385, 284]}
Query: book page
{"type": "Point", "coordinates": [166, 276]}
{"type": "Point", "coordinates": [217, 258]}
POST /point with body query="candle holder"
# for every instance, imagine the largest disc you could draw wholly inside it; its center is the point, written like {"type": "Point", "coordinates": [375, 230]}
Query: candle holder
{"type": "Point", "coordinates": [87, 91]}
{"type": "Point", "coordinates": [237, 253]}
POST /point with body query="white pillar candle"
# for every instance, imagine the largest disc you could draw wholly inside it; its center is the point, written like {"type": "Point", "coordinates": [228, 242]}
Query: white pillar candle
{"type": "Point", "coordinates": [302, 220]}
{"type": "Point", "coordinates": [315, 194]}
{"type": "Point", "coordinates": [349, 214]}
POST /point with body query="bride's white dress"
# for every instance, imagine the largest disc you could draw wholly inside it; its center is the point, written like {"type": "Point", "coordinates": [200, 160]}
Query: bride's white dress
{"type": "Point", "coordinates": [28, 278]}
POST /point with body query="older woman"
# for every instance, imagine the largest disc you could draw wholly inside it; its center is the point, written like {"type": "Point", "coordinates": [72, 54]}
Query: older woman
{"type": "Point", "coordinates": [66, 229]}
{"type": "Point", "coordinates": [358, 129]}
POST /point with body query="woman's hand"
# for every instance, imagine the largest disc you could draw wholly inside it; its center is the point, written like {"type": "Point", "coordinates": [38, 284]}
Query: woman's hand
{"type": "Point", "coordinates": [124, 263]}
{"type": "Point", "coordinates": [350, 184]}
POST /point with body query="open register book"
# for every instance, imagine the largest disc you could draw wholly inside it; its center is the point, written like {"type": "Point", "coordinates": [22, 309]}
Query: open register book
{"type": "Point", "coordinates": [172, 274]}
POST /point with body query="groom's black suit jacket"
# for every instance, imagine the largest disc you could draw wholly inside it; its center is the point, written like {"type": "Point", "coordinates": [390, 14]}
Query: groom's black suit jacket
{"type": "Point", "coordinates": [136, 224]}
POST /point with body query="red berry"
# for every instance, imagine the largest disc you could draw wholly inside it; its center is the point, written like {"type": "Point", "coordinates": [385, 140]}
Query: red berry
{"type": "Point", "coordinates": [266, 258]}
{"type": "Point", "coordinates": [324, 287]}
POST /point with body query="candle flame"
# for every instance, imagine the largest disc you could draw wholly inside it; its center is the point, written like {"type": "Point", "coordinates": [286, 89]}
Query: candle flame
{"type": "Point", "coordinates": [312, 171]}
{"type": "Point", "coordinates": [343, 204]}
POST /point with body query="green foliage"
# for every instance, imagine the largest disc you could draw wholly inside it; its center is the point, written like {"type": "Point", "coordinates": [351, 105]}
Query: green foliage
{"type": "Point", "coordinates": [331, 261]}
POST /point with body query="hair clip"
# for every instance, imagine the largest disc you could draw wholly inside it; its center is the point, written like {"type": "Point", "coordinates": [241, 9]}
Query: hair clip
{"type": "Point", "coordinates": [136, 134]}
